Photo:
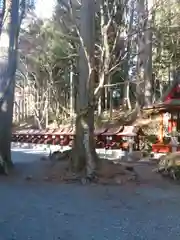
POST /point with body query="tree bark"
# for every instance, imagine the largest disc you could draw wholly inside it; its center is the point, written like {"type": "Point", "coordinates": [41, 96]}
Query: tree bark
{"type": "Point", "coordinates": [84, 154]}
{"type": "Point", "coordinates": [7, 86]}
{"type": "Point", "coordinates": [148, 87]}
{"type": "Point", "coordinates": [127, 63]}
{"type": "Point", "coordinates": [145, 52]}
{"type": "Point", "coordinates": [71, 83]}
{"type": "Point", "coordinates": [140, 7]}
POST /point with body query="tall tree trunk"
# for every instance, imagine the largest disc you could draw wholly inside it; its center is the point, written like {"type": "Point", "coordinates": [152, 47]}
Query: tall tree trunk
{"type": "Point", "coordinates": [7, 85]}
{"type": "Point", "coordinates": [84, 150]}
{"type": "Point", "coordinates": [71, 83]}
{"type": "Point", "coordinates": [100, 104]}
{"type": "Point", "coordinates": [127, 63]}
{"type": "Point", "coordinates": [141, 52]}
{"type": "Point", "coordinates": [148, 86]}
{"type": "Point", "coordinates": [145, 52]}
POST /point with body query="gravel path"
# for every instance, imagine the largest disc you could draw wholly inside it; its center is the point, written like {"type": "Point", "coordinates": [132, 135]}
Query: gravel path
{"type": "Point", "coordinates": [48, 211]}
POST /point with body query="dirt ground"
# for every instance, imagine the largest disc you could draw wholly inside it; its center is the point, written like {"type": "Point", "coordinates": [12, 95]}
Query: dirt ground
{"type": "Point", "coordinates": [37, 209]}
{"type": "Point", "coordinates": [42, 169]}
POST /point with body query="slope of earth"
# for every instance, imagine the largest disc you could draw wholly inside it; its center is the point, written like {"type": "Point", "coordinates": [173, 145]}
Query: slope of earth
{"type": "Point", "coordinates": [40, 210]}
{"type": "Point", "coordinates": [119, 117]}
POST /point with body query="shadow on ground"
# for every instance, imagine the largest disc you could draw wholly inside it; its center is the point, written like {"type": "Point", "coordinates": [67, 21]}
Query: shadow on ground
{"type": "Point", "coordinates": [38, 210]}
{"type": "Point", "coordinates": [28, 165]}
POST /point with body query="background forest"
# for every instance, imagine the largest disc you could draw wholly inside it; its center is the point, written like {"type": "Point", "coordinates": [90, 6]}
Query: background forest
{"type": "Point", "coordinates": [136, 59]}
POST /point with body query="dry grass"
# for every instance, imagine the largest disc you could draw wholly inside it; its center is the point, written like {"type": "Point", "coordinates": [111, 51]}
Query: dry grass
{"type": "Point", "coordinates": [169, 165]}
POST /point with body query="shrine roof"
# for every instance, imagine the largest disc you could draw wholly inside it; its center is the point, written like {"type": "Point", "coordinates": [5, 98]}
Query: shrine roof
{"type": "Point", "coordinates": [170, 100]}
{"type": "Point", "coordinates": [172, 94]}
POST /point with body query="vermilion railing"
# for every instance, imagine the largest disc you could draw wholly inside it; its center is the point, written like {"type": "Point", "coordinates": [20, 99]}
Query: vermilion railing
{"type": "Point", "coordinates": [111, 138]}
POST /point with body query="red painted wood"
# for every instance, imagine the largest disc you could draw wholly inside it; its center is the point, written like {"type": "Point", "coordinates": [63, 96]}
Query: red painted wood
{"type": "Point", "coordinates": [104, 138]}
{"type": "Point", "coordinates": [161, 148]}
{"type": "Point", "coordinates": [171, 96]}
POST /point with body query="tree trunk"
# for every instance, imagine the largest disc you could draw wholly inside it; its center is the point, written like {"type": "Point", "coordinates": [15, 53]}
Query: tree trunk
{"type": "Point", "coordinates": [102, 95]}
{"type": "Point", "coordinates": [7, 85]}
{"type": "Point", "coordinates": [148, 62]}
{"type": "Point", "coordinates": [71, 83]}
{"type": "Point", "coordinates": [110, 103]}
{"type": "Point", "coordinates": [127, 96]}
{"type": "Point", "coordinates": [141, 52]}
{"type": "Point", "coordinates": [84, 149]}
{"type": "Point", "coordinates": [100, 104]}
{"type": "Point", "coordinates": [127, 63]}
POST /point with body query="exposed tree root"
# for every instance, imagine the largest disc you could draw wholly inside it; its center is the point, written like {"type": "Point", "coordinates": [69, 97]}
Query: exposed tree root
{"type": "Point", "coordinates": [107, 171]}
{"type": "Point", "coordinates": [60, 156]}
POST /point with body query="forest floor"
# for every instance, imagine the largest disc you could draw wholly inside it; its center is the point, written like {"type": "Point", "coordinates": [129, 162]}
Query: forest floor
{"type": "Point", "coordinates": [32, 208]}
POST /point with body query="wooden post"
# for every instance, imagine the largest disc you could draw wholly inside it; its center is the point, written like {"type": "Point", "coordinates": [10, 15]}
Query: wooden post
{"type": "Point", "coordinates": [161, 132]}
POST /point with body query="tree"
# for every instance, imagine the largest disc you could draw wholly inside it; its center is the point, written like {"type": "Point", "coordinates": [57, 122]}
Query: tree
{"type": "Point", "coordinates": [7, 78]}
{"type": "Point", "coordinates": [111, 46]}
{"type": "Point", "coordinates": [84, 155]}
{"type": "Point", "coordinates": [48, 58]}
{"type": "Point", "coordinates": [167, 32]}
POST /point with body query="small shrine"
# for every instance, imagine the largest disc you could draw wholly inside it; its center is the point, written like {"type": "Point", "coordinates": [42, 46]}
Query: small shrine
{"type": "Point", "coordinates": [169, 122]}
